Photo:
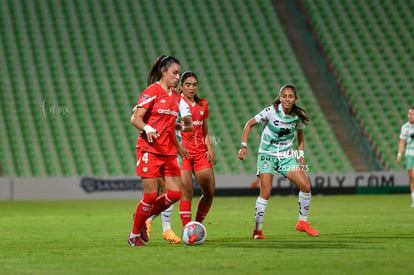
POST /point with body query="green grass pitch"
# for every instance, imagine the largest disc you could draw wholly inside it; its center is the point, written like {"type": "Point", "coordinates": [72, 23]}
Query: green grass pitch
{"type": "Point", "coordinates": [359, 234]}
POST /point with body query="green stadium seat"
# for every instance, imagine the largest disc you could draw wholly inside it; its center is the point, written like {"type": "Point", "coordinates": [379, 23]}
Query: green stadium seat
{"type": "Point", "coordinates": [383, 30]}
{"type": "Point", "coordinates": [97, 61]}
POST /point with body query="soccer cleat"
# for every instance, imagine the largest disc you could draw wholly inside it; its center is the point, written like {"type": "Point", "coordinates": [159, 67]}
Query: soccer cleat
{"type": "Point", "coordinates": [171, 237]}
{"type": "Point", "coordinates": [304, 226]}
{"type": "Point", "coordinates": [144, 235]}
{"type": "Point", "coordinates": [258, 234]}
{"type": "Point", "coordinates": [136, 241]}
{"type": "Point", "coordinates": [148, 224]}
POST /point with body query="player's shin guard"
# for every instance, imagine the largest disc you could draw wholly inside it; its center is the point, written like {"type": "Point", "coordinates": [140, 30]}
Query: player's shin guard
{"type": "Point", "coordinates": [304, 205]}
{"type": "Point", "coordinates": [261, 205]}
{"type": "Point", "coordinates": [164, 201]}
{"type": "Point", "coordinates": [185, 212]}
{"type": "Point", "coordinates": [202, 212]}
{"type": "Point", "coordinates": [142, 212]}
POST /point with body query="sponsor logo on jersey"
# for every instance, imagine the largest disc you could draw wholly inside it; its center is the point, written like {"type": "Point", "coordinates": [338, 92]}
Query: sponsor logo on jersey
{"type": "Point", "coordinates": [197, 122]}
{"type": "Point", "coordinates": [284, 124]}
{"type": "Point", "coordinates": [168, 112]}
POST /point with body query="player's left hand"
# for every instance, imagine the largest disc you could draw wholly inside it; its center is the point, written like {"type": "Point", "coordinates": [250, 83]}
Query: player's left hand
{"type": "Point", "coordinates": [242, 154]}
{"type": "Point", "coordinates": [301, 161]}
{"type": "Point", "coordinates": [211, 157]}
{"type": "Point", "coordinates": [181, 151]}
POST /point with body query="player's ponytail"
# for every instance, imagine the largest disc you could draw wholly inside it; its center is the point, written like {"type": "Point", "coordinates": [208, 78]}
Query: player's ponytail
{"type": "Point", "coordinates": [163, 61]}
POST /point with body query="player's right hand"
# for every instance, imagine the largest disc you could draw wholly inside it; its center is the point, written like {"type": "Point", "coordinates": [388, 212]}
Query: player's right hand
{"type": "Point", "coordinates": [151, 136]}
{"type": "Point", "coordinates": [151, 133]}
{"type": "Point", "coordinates": [242, 154]}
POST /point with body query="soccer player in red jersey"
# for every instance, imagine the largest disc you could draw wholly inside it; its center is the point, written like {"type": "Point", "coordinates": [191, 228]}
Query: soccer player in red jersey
{"type": "Point", "coordinates": [200, 153]}
{"type": "Point", "coordinates": [184, 124]}
{"type": "Point", "coordinates": [155, 114]}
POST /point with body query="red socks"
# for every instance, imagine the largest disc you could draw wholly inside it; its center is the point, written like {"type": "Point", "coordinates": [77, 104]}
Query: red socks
{"type": "Point", "coordinates": [142, 212]}
{"type": "Point", "coordinates": [164, 201]}
{"type": "Point", "coordinates": [151, 205]}
{"type": "Point", "coordinates": [185, 212]}
{"type": "Point", "coordinates": [202, 212]}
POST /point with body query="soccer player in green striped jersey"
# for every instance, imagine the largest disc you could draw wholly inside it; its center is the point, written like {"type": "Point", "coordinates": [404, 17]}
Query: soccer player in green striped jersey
{"type": "Point", "coordinates": [284, 121]}
{"type": "Point", "coordinates": [407, 142]}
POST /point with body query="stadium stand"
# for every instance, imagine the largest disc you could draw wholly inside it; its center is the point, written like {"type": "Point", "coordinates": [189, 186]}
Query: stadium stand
{"type": "Point", "coordinates": [369, 45]}
{"type": "Point", "coordinates": [74, 69]}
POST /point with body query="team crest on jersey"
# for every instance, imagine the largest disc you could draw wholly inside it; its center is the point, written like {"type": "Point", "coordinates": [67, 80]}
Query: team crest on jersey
{"type": "Point", "coordinates": [145, 169]}
{"type": "Point", "coordinates": [265, 165]}
{"type": "Point", "coordinates": [201, 112]}
{"type": "Point", "coordinates": [145, 99]}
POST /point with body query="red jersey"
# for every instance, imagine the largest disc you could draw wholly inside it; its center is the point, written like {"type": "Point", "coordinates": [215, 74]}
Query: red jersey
{"type": "Point", "coordinates": [194, 141]}
{"type": "Point", "coordinates": [162, 112]}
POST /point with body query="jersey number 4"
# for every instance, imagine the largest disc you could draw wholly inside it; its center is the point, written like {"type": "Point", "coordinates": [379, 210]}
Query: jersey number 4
{"type": "Point", "coordinates": [145, 157]}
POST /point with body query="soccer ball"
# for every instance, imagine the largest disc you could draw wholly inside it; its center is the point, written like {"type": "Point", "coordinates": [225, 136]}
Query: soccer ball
{"type": "Point", "coordinates": [194, 233]}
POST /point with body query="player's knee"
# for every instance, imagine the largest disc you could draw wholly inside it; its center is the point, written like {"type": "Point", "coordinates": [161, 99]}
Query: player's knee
{"type": "Point", "coordinates": [173, 196]}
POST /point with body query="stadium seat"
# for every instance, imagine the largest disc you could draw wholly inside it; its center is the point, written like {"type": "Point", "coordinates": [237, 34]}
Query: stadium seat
{"type": "Point", "coordinates": [93, 57]}
{"type": "Point", "coordinates": [376, 36]}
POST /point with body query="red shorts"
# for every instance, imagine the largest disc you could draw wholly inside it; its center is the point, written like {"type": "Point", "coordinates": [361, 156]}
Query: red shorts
{"type": "Point", "coordinates": [150, 165]}
{"type": "Point", "coordinates": [196, 162]}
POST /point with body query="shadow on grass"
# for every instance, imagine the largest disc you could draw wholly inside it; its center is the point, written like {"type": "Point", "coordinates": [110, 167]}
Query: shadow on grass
{"type": "Point", "coordinates": [282, 244]}
{"type": "Point", "coordinates": [332, 241]}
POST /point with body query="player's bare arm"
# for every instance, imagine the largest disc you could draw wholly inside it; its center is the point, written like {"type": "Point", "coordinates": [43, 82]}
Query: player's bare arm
{"type": "Point", "coordinates": [137, 120]}
{"type": "Point", "coordinates": [401, 147]}
{"type": "Point", "coordinates": [246, 131]}
{"type": "Point", "coordinates": [210, 154]}
{"type": "Point", "coordinates": [301, 146]}
{"type": "Point", "coordinates": [186, 125]}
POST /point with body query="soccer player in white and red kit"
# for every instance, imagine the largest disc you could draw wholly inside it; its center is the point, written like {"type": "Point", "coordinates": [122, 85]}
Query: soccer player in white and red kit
{"type": "Point", "coordinates": [155, 114]}
{"type": "Point", "coordinates": [200, 153]}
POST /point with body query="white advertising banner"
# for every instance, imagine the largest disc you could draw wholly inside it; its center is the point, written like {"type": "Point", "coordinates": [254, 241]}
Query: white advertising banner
{"type": "Point", "coordinates": [130, 187]}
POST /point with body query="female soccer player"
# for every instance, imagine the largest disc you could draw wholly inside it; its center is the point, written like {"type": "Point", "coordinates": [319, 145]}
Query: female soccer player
{"type": "Point", "coordinates": [184, 123]}
{"type": "Point", "coordinates": [155, 114]}
{"type": "Point", "coordinates": [200, 153]}
{"type": "Point", "coordinates": [407, 142]}
{"type": "Point", "coordinates": [284, 119]}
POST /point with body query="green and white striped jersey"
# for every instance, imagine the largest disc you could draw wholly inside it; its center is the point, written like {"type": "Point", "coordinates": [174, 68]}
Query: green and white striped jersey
{"type": "Point", "coordinates": [407, 133]}
{"type": "Point", "coordinates": [279, 133]}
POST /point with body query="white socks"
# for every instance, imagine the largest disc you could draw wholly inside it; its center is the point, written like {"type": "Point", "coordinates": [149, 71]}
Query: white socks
{"type": "Point", "coordinates": [166, 218]}
{"type": "Point", "coordinates": [412, 196]}
{"type": "Point", "coordinates": [304, 205]}
{"type": "Point", "coordinates": [261, 205]}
